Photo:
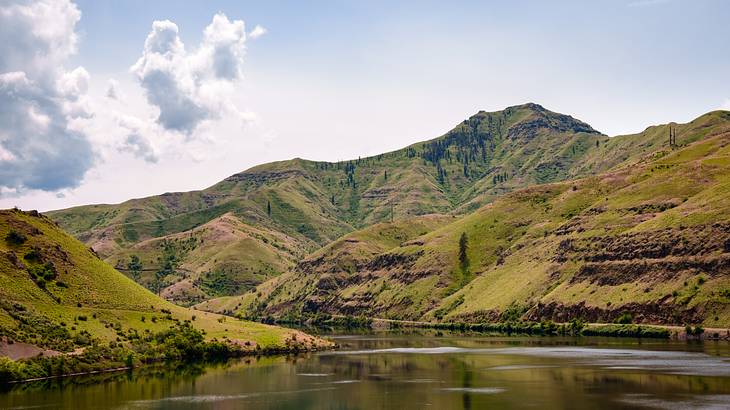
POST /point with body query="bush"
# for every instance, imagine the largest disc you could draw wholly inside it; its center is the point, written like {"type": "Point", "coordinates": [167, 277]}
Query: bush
{"type": "Point", "coordinates": [696, 331]}
{"type": "Point", "coordinates": [619, 330]}
{"type": "Point", "coordinates": [624, 319]}
{"type": "Point", "coordinates": [15, 238]}
{"type": "Point", "coordinates": [33, 255]}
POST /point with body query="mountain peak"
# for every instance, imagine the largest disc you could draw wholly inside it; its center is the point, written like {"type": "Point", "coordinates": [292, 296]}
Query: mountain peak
{"type": "Point", "coordinates": [532, 116]}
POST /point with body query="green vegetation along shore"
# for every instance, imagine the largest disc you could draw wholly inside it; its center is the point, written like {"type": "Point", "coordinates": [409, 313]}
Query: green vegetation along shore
{"type": "Point", "coordinates": [64, 310]}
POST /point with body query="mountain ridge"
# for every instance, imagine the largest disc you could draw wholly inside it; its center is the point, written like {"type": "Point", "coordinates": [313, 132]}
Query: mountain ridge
{"type": "Point", "coordinates": [649, 239]}
{"type": "Point", "coordinates": [302, 205]}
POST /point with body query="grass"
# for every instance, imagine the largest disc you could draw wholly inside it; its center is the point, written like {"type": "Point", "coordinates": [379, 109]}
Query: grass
{"type": "Point", "coordinates": [94, 299]}
{"type": "Point", "coordinates": [314, 203]}
{"type": "Point", "coordinates": [520, 246]}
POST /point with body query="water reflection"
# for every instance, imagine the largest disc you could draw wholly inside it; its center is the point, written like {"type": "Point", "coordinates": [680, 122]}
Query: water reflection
{"type": "Point", "coordinates": [418, 371]}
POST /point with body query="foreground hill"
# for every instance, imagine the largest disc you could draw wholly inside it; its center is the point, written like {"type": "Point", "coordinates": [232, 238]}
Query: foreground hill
{"type": "Point", "coordinates": [255, 225]}
{"type": "Point", "coordinates": [56, 294]}
{"type": "Point", "coordinates": [648, 241]}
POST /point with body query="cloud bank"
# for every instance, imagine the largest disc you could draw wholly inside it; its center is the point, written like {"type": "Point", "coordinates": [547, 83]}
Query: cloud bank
{"type": "Point", "coordinates": [41, 145]}
{"type": "Point", "coordinates": [49, 135]}
{"type": "Point", "coordinates": [190, 87]}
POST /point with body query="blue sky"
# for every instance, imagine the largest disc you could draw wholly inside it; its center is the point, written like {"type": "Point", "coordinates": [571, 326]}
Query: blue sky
{"type": "Point", "coordinates": [336, 80]}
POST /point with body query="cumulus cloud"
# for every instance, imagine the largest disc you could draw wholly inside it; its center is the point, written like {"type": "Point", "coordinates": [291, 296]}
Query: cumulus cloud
{"type": "Point", "coordinates": [41, 146]}
{"type": "Point", "coordinates": [137, 140]}
{"type": "Point", "coordinates": [187, 87]}
{"type": "Point", "coordinates": [49, 134]}
{"type": "Point", "coordinates": [257, 32]}
{"type": "Point", "coordinates": [140, 147]}
{"type": "Point", "coordinates": [112, 90]}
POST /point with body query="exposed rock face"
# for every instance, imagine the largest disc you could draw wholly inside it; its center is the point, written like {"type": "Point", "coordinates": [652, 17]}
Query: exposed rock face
{"type": "Point", "coordinates": [651, 270]}
{"type": "Point", "coordinates": [652, 256]}
{"type": "Point", "coordinates": [260, 178]}
{"type": "Point", "coordinates": [656, 312]}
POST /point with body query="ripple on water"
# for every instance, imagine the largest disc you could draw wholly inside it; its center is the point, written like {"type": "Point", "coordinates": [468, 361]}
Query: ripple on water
{"type": "Point", "coordinates": [476, 390]}
{"type": "Point", "coordinates": [214, 398]}
{"type": "Point", "coordinates": [708, 402]}
{"type": "Point", "coordinates": [520, 367]}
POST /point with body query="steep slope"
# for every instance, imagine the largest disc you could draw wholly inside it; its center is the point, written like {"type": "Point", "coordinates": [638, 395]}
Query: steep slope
{"type": "Point", "coordinates": [291, 208]}
{"type": "Point", "coordinates": [55, 293]}
{"type": "Point", "coordinates": [651, 239]}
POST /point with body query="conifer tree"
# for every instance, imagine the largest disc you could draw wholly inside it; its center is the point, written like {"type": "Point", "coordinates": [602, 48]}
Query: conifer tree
{"type": "Point", "coordinates": [463, 248]}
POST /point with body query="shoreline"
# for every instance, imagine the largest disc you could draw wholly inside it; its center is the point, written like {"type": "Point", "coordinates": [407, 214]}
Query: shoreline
{"type": "Point", "coordinates": [269, 353]}
{"type": "Point", "coordinates": [547, 328]}
{"type": "Point", "coordinates": [676, 332]}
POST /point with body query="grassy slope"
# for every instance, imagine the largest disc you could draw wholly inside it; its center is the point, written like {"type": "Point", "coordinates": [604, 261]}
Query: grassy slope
{"type": "Point", "coordinates": [94, 289]}
{"type": "Point", "coordinates": [650, 237]}
{"type": "Point", "coordinates": [313, 203]}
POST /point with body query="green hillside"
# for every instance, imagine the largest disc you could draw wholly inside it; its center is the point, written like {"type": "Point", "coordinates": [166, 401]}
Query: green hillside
{"type": "Point", "coordinates": [279, 212]}
{"type": "Point", "coordinates": [56, 294]}
{"type": "Point", "coordinates": [649, 239]}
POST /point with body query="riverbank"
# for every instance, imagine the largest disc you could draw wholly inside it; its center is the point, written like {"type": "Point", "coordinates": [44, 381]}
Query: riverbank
{"type": "Point", "coordinates": [416, 369]}
{"type": "Point", "coordinates": [180, 344]}
{"type": "Point", "coordinates": [574, 328]}
{"type": "Point", "coordinates": [544, 328]}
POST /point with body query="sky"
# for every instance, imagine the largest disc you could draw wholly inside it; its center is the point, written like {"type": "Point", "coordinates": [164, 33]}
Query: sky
{"type": "Point", "coordinates": [103, 101]}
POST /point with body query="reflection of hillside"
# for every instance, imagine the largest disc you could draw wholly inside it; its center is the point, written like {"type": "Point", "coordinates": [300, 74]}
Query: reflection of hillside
{"type": "Point", "coordinates": [459, 380]}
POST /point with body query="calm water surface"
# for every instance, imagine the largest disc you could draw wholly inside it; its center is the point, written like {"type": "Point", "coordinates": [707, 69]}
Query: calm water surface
{"type": "Point", "coordinates": [420, 371]}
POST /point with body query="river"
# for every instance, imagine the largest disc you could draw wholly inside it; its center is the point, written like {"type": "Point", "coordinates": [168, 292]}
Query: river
{"type": "Point", "coordinates": [419, 370]}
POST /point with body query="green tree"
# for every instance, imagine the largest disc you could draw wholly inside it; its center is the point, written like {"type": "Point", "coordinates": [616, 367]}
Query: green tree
{"type": "Point", "coordinates": [268, 208]}
{"type": "Point", "coordinates": [463, 248]}
{"type": "Point", "coordinates": [135, 267]}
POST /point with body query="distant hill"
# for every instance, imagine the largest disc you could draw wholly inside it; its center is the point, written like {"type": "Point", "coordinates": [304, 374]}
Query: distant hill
{"type": "Point", "coordinates": [55, 293]}
{"type": "Point", "coordinates": [640, 232]}
{"type": "Point", "coordinates": [257, 224]}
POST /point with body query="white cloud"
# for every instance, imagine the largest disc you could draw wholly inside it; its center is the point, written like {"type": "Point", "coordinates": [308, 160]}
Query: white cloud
{"type": "Point", "coordinates": [140, 147]}
{"type": "Point", "coordinates": [257, 32]}
{"type": "Point", "coordinates": [40, 145]}
{"type": "Point", "coordinates": [137, 140]}
{"type": "Point", "coordinates": [189, 88]}
{"type": "Point", "coordinates": [50, 137]}
{"type": "Point", "coordinates": [112, 90]}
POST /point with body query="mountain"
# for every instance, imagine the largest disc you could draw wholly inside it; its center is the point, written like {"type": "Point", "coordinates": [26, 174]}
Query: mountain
{"type": "Point", "coordinates": [55, 293]}
{"type": "Point", "coordinates": [641, 230]}
{"type": "Point", "coordinates": [256, 225]}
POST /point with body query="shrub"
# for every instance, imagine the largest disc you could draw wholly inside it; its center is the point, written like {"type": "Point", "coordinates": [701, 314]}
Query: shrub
{"type": "Point", "coordinates": [620, 330]}
{"type": "Point", "coordinates": [15, 238]}
{"type": "Point", "coordinates": [33, 255]}
{"type": "Point", "coordinates": [696, 331]}
{"type": "Point", "coordinates": [624, 319]}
